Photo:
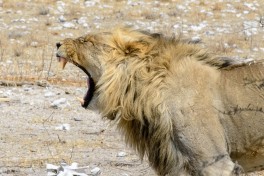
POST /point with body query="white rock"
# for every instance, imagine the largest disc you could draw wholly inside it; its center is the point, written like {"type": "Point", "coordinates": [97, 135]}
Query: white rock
{"type": "Point", "coordinates": [56, 28]}
{"type": "Point", "coordinates": [63, 127]}
{"type": "Point", "coordinates": [250, 28]}
{"type": "Point", "coordinates": [121, 154]}
{"type": "Point", "coordinates": [198, 27]}
{"type": "Point", "coordinates": [239, 51]}
{"type": "Point", "coordinates": [7, 93]}
{"type": "Point", "coordinates": [85, 25]}
{"type": "Point", "coordinates": [49, 94]}
{"type": "Point", "coordinates": [65, 170]}
{"type": "Point", "coordinates": [34, 44]}
{"type": "Point", "coordinates": [60, 3]}
{"type": "Point", "coordinates": [96, 171]}
{"type": "Point", "coordinates": [133, 3]}
{"type": "Point", "coordinates": [181, 7]}
{"type": "Point", "coordinates": [196, 39]}
{"type": "Point", "coordinates": [209, 33]}
{"type": "Point", "coordinates": [9, 62]}
{"type": "Point", "coordinates": [83, 21]}
{"type": "Point", "coordinates": [238, 15]}
{"type": "Point", "coordinates": [176, 26]}
{"type": "Point", "coordinates": [62, 18]}
{"type": "Point", "coordinates": [75, 1]}
{"type": "Point", "coordinates": [60, 6]}
{"type": "Point", "coordinates": [51, 167]}
{"type": "Point", "coordinates": [210, 13]}
{"type": "Point", "coordinates": [251, 24]}
{"type": "Point", "coordinates": [58, 102]}
{"type": "Point", "coordinates": [124, 174]}
{"type": "Point", "coordinates": [90, 3]}
{"type": "Point", "coordinates": [246, 12]}
{"type": "Point", "coordinates": [69, 25]}
{"type": "Point", "coordinates": [74, 165]}
{"type": "Point", "coordinates": [250, 5]}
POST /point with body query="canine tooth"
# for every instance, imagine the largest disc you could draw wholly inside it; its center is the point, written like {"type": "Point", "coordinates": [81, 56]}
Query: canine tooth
{"type": "Point", "coordinates": [81, 100]}
{"type": "Point", "coordinates": [63, 62]}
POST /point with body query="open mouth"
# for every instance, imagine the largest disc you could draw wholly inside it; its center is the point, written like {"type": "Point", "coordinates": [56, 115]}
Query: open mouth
{"type": "Point", "coordinates": [90, 82]}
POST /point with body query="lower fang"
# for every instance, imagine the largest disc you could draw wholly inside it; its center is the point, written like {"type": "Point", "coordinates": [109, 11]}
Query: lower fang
{"type": "Point", "coordinates": [81, 100]}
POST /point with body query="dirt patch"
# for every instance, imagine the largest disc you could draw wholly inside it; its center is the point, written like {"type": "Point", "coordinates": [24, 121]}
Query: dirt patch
{"type": "Point", "coordinates": [32, 134]}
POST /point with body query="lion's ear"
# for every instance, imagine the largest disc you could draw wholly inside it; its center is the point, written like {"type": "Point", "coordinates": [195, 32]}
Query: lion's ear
{"type": "Point", "coordinates": [89, 38]}
{"type": "Point", "coordinates": [141, 47]}
{"type": "Point", "coordinates": [133, 42]}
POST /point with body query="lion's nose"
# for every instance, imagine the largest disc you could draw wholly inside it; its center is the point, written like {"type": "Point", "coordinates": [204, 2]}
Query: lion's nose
{"type": "Point", "coordinates": [58, 45]}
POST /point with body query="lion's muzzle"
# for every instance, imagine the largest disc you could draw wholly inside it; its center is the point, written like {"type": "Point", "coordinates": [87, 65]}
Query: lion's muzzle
{"type": "Point", "coordinates": [62, 57]}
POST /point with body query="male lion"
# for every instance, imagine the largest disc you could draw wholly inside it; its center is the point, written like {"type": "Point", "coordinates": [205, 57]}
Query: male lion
{"type": "Point", "coordinates": [174, 102]}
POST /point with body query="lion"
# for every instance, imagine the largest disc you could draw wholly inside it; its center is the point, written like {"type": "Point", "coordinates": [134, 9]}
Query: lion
{"type": "Point", "coordinates": [189, 111]}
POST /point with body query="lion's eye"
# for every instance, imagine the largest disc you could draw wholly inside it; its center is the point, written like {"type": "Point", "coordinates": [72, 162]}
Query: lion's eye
{"type": "Point", "coordinates": [81, 39]}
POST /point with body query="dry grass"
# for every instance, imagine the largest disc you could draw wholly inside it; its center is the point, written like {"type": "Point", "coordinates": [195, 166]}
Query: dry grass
{"type": "Point", "coordinates": [43, 10]}
{"type": "Point", "coordinates": [218, 6]}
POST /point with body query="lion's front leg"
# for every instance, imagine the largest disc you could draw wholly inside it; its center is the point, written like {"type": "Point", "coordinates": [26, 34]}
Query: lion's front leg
{"type": "Point", "coordinates": [220, 165]}
{"type": "Point", "coordinates": [201, 138]}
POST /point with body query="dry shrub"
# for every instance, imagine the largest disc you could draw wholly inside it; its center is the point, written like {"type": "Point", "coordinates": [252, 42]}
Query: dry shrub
{"type": "Point", "coordinates": [1, 52]}
{"type": "Point", "coordinates": [73, 12]}
{"type": "Point", "coordinates": [36, 40]}
{"type": "Point", "coordinates": [218, 6]}
{"type": "Point", "coordinates": [13, 4]}
{"type": "Point", "coordinates": [240, 6]}
{"type": "Point", "coordinates": [18, 51]}
{"type": "Point", "coordinates": [225, 45]}
{"type": "Point", "coordinates": [149, 15]}
{"type": "Point", "coordinates": [173, 13]}
{"type": "Point", "coordinates": [202, 3]}
{"type": "Point", "coordinates": [15, 34]}
{"type": "Point", "coordinates": [43, 10]}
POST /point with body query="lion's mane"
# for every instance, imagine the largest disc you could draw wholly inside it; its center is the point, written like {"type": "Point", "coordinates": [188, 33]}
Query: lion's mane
{"type": "Point", "coordinates": [131, 92]}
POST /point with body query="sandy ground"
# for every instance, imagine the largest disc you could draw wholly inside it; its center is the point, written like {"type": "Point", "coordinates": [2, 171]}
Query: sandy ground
{"type": "Point", "coordinates": [31, 134]}
{"type": "Point", "coordinates": [34, 132]}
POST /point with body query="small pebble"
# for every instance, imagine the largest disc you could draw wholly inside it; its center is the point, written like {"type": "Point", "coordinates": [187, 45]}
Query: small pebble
{"type": "Point", "coordinates": [121, 154]}
{"type": "Point", "coordinates": [49, 94]}
{"type": "Point", "coordinates": [69, 25]}
{"type": "Point", "coordinates": [58, 102]}
{"type": "Point", "coordinates": [96, 171]}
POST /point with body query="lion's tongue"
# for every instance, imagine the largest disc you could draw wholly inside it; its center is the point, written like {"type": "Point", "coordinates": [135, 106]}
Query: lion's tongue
{"type": "Point", "coordinates": [62, 61]}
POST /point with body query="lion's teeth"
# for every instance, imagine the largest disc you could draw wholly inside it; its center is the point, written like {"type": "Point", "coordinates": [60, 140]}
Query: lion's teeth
{"type": "Point", "coordinates": [63, 62]}
{"type": "Point", "coordinates": [81, 100]}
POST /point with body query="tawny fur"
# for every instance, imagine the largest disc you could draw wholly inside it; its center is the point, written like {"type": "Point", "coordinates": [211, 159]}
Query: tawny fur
{"type": "Point", "coordinates": [169, 99]}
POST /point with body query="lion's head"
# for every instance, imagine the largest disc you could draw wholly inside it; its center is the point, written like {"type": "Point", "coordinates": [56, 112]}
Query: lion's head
{"type": "Point", "coordinates": [126, 50]}
{"type": "Point", "coordinates": [84, 53]}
